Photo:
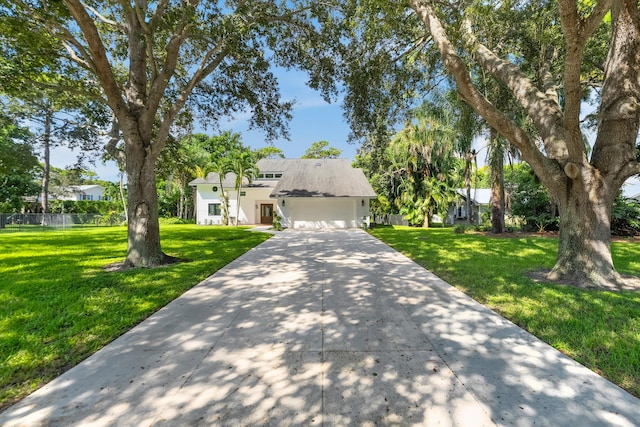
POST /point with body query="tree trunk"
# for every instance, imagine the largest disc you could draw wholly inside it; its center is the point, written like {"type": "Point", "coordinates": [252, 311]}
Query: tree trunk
{"type": "Point", "coordinates": [584, 250]}
{"type": "Point", "coordinates": [46, 158]}
{"type": "Point", "coordinates": [497, 183]}
{"type": "Point", "coordinates": [143, 225]}
{"type": "Point", "coordinates": [427, 216]}
{"type": "Point", "coordinates": [239, 190]}
{"type": "Point", "coordinates": [583, 189]}
{"type": "Point", "coordinates": [468, 159]}
{"type": "Point", "coordinates": [181, 204]}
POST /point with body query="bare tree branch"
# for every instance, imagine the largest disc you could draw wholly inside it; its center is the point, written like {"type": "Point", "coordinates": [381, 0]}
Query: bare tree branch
{"type": "Point", "coordinates": [101, 17]}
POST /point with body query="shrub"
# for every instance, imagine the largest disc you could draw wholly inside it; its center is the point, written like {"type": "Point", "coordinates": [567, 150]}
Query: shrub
{"type": "Point", "coordinates": [625, 217]}
{"type": "Point", "coordinates": [277, 225]}
{"type": "Point", "coordinates": [176, 220]}
{"type": "Point", "coordinates": [460, 229]}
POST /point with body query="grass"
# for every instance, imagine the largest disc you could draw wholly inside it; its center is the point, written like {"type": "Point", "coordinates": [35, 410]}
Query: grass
{"type": "Point", "coordinates": [57, 305]}
{"type": "Point", "coordinates": [599, 329]}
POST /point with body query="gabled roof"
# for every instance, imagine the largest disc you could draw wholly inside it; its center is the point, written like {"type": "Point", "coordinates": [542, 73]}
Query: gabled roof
{"type": "Point", "coordinates": [304, 178]}
{"type": "Point", "coordinates": [321, 178]}
{"type": "Point", "coordinates": [481, 196]}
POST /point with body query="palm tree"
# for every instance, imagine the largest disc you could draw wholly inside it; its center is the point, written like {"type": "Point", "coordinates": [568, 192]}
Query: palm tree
{"type": "Point", "coordinates": [243, 165]}
{"type": "Point", "coordinates": [222, 166]}
{"type": "Point", "coordinates": [460, 124]}
{"type": "Point", "coordinates": [428, 145]}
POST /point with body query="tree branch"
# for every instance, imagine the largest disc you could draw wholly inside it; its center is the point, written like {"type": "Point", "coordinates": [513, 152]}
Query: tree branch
{"type": "Point", "coordinates": [549, 85]}
{"type": "Point", "coordinates": [101, 17]}
{"type": "Point", "coordinates": [592, 22]}
{"type": "Point", "coordinates": [576, 33]}
{"type": "Point", "coordinates": [201, 73]}
{"type": "Point", "coordinates": [467, 90]}
{"type": "Point", "coordinates": [542, 109]}
{"type": "Point", "coordinates": [161, 81]}
{"type": "Point", "coordinates": [98, 53]}
{"type": "Point", "coordinates": [139, 10]}
{"type": "Point", "coordinates": [75, 58]}
{"type": "Point", "coordinates": [111, 146]}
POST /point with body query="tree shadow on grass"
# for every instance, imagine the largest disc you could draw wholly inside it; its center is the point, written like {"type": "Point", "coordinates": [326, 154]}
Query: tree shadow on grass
{"type": "Point", "coordinates": [316, 328]}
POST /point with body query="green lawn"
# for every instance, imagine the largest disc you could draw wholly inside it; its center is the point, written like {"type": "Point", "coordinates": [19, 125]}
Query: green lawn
{"type": "Point", "coordinates": [57, 305]}
{"type": "Point", "coordinates": [599, 329]}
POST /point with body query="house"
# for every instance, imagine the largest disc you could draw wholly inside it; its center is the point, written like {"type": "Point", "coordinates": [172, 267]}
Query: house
{"type": "Point", "coordinates": [79, 192]}
{"type": "Point", "coordinates": [480, 203]}
{"type": "Point", "coordinates": [304, 193]}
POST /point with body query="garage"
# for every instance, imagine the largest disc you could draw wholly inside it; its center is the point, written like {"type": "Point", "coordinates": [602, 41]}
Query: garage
{"type": "Point", "coordinates": [323, 213]}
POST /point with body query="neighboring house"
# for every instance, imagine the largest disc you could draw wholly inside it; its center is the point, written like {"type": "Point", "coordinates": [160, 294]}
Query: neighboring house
{"type": "Point", "coordinates": [305, 193]}
{"type": "Point", "coordinates": [631, 188]}
{"type": "Point", "coordinates": [480, 203]}
{"type": "Point", "coordinates": [79, 192]}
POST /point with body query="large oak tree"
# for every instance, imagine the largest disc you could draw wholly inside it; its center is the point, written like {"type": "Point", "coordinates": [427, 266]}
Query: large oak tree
{"type": "Point", "coordinates": [546, 55]}
{"type": "Point", "coordinates": [153, 60]}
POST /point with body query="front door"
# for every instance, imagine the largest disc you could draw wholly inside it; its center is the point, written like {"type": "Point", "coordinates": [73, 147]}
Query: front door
{"type": "Point", "coordinates": [266, 213]}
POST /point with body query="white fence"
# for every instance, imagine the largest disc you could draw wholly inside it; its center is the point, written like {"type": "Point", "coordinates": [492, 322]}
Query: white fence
{"type": "Point", "coordinates": [35, 221]}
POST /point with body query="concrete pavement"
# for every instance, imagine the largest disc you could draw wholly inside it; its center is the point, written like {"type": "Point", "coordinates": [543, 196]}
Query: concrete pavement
{"type": "Point", "coordinates": [326, 328]}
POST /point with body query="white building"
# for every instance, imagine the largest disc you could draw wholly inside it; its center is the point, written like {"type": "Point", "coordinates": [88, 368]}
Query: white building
{"type": "Point", "coordinates": [79, 192]}
{"type": "Point", "coordinates": [305, 193]}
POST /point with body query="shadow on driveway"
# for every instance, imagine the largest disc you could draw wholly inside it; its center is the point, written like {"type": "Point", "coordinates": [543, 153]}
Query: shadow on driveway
{"type": "Point", "coordinates": [326, 327]}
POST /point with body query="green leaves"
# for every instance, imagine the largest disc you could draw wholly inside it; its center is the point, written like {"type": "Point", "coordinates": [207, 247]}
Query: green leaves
{"type": "Point", "coordinates": [18, 165]}
{"type": "Point", "coordinates": [321, 150]}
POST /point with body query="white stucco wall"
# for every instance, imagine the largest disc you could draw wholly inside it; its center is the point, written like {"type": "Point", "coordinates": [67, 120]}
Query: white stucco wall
{"type": "Point", "coordinates": [93, 193]}
{"type": "Point", "coordinates": [297, 212]}
{"type": "Point", "coordinates": [249, 204]}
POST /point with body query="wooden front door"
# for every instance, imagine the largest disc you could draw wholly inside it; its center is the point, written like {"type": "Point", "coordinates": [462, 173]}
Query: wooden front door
{"type": "Point", "coordinates": [266, 213]}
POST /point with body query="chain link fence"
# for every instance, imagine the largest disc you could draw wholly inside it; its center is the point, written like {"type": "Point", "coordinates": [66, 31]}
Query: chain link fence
{"type": "Point", "coordinates": [38, 221]}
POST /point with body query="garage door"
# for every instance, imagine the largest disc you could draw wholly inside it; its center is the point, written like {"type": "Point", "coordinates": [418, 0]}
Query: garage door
{"type": "Point", "coordinates": [323, 213]}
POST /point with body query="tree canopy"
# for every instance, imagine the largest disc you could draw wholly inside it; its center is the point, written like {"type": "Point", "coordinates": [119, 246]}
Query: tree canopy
{"type": "Point", "coordinates": [547, 55]}
{"type": "Point", "coordinates": [161, 62]}
{"type": "Point", "coordinates": [18, 166]}
{"type": "Point", "coordinates": [321, 150]}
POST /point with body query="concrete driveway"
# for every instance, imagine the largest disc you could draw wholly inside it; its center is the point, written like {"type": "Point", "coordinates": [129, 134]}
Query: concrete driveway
{"type": "Point", "coordinates": [326, 328]}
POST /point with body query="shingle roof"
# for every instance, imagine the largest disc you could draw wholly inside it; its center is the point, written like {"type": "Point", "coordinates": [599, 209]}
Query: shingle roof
{"type": "Point", "coordinates": [305, 178]}
{"type": "Point", "coordinates": [481, 196]}
{"type": "Point", "coordinates": [319, 178]}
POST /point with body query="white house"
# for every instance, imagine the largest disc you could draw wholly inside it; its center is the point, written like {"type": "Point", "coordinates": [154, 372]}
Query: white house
{"type": "Point", "coordinates": [480, 202]}
{"type": "Point", "coordinates": [79, 192]}
{"type": "Point", "coordinates": [305, 193]}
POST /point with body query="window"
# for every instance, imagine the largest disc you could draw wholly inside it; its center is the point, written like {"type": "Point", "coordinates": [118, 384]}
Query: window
{"type": "Point", "coordinates": [87, 197]}
{"type": "Point", "coordinates": [270, 175]}
{"type": "Point", "coordinates": [214, 209]}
